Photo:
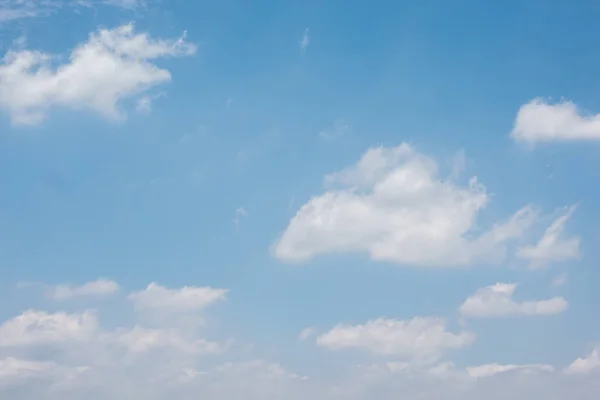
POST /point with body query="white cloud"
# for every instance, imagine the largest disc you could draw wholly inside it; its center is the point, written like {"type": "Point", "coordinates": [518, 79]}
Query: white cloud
{"type": "Point", "coordinates": [141, 340]}
{"type": "Point", "coordinates": [306, 333]}
{"type": "Point", "coordinates": [421, 338]}
{"type": "Point", "coordinates": [240, 213]}
{"type": "Point", "coordinates": [489, 370]}
{"type": "Point", "coordinates": [540, 121]}
{"type": "Point", "coordinates": [40, 328]}
{"type": "Point", "coordinates": [100, 287]}
{"type": "Point", "coordinates": [552, 247]}
{"type": "Point", "coordinates": [305, 40]}
{"type": "Point", "coordinates": [187, 298]}
{"type": "Point", "coordinates": [337, 130]}
{"type": "Point", "coordinates": [559, 280]}
{"type": "Point", "coordinates": [112, 66]}
{"type": "Point", "coordinates": [584, 365]}
{"type": "Point", "coordinates": [17, 9]}
{"type": "Point", "coordinates": [15, 371]}
{"type": "Point", "coordinates": [393, 206]}
{"type": "Point", "coordinates": [496, 301]}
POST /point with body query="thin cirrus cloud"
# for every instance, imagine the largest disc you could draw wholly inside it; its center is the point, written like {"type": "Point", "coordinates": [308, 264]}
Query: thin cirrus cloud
{"type": "Point", "coordinates": [553, 246]}
{"type": "Point", "coordinates": [394, 206]}
{"type": "Point", "coordinates": [11, 10]}
{"type": "Point", "coordinates": [497, 301]}
{"type": "Point", "coordinates": [421, 338]}
{"type": "Point", "coordinates": [489, 370]}
{"type": "Point", "coordinates": [541, 121]}
{"type": "Point", "coordinates": [111, 66]}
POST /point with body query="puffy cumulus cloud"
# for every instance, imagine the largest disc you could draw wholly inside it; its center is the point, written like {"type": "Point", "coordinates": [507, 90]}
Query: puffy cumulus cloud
{"type": "Point", "coordinates": [97, 288]}
{"type": "Point", "coordinates": [393, 205]}
{"type": "Point", "coordinates": [421, 338]}
{"type": "Point", "coordinates": [553, 246]}
{"type": "Point", "coordinates": [585, 365]}
{"type": "Point", "coordinates": [187, 298]}
{"type": "Point", "coordinates": [497, 301]}
{"type": "Point", "coordinates": [540, 121]}
{"type": "Point", "coordinates": [111, 66]}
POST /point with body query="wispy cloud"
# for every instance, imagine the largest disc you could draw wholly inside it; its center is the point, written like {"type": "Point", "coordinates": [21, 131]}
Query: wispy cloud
{"type": "Point", "coordinates": [239, 214]}
{"type": "Point", "coordinates": [338, 129]}
{"type": "Point", "coordinates": [18, 9]}
{"type": "Point", "coordinates": [305, 40]}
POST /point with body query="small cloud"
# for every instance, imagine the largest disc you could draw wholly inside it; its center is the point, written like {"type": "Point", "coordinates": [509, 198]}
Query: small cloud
{"type": "Point", "coordinates": [97, 288]}
{"type": "Point", "coordinates": [338, 129]}
{"type": "Point", "coordinates": [553, 247]}
{"type": "Point", "coordinates": [497, 301]}
{"type": "Point", "coordinates": [239, 214]}
{"type": "Point", "coordinates": [541, 121]}
{"type": "Point", "coordinates": [306, 333]}
{"type": "Point", "coordinates": [144, 104]}
{"type": "Point", "coordinates": [584, 365]}
{"type": "Point", "coordinates": [305, 40]}
{"type": "Point", "coordinates": [559, 280]}
{"type": "Point", "coordinates": [229, 102]}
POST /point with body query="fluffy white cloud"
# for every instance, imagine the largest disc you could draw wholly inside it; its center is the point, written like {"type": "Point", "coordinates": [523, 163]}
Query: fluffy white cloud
{"type": "Point", "coordinates": [584, 365]}
{"type": "Point", "coordinates": [112, 66]}
{"type": "Point", "coordinates": [100, 287]}
{"type": "Point", "coordinates": [394, 206]}
{"type": "Point", "coordinates": [421, 338]}
{"type": "Point", "coordinates": [187, 298]}
{"type": "Point", "coordinates": [496, 301]}
{"type": "Point", "coordinates": [540, 121]}
{"type": "Point", "coordinates": [39, 328]}
{"type": "Point", "coordinates": [489, 370]}
{"type": "Point", "coordinates": [553, 246]}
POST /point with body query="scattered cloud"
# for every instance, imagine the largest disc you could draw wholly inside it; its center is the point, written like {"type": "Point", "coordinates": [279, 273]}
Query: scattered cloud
{"type": "Point", "coordinates": [337, 130]}
{"type": "Point", "coordinates": [552, 247]}
{"type": "Point", "coordinates": [540, 121]}
{"type": "Point", "coordinates": [39, 328]}
{"type": "Point", "coordinates": [112, 66]}
{"type": "Point", "coordinates": [489, 370]}
{"type": "Point", "coordinates": [240, 213]}
{"type": "Point", "coordinates": [307, 333]}
{"type": "Point", "coordinates": [97, 288]}
{"type": "Point", "coordinates": [559, 280]}
{"type": "Point", "coordinates": [187, 298]}
{"type": "Point", "coordinates": [421, 338]}
{"type": "Point", "coordinates": [305, 41]}
{"type": "Point", "coordinates": [393, 206]}
{"type": "Point", "coordinates": [497, 301]}
{"type": "Point", "coordinates": [585, 365]}
{"type": "Point", "coordinates": [18, 9]}
{"type": "Point", "coordinates": [141, 340]}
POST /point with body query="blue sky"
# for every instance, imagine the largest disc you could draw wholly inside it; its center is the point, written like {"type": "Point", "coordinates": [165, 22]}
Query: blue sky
{"type": "Point", "coordinates": [299, 199]}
